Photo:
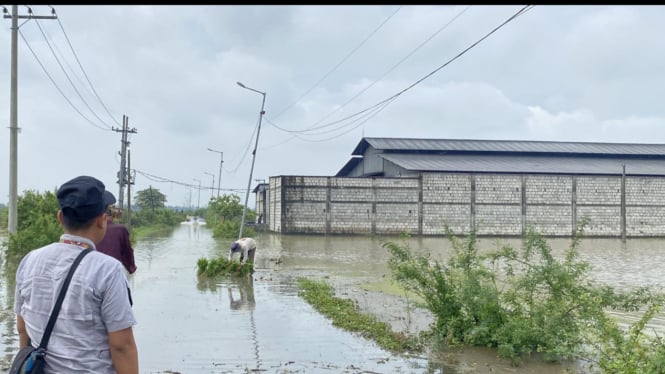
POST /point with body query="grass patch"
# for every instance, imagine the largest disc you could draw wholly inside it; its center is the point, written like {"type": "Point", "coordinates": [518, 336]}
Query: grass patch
{"type": "Point", "coordinates": [390, 287]}
{"type": "Point", "coordinates": [222, 266]}
{"type": "Point", "coordinates": [142, 232]}
{"type": "Point", "coordinates": [344, 314]}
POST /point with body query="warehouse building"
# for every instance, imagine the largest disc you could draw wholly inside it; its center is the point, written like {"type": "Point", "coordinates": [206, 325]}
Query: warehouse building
{"type": "Point", "coordinates": [497, 187]}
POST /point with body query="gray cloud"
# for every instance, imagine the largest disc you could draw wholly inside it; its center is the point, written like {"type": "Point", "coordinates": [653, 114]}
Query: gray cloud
{"type": "Point", "coordinates": [576, 73]}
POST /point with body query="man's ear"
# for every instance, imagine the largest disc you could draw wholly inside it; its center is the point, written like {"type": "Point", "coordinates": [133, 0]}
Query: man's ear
{"type": "Point", "coordinates": [60, 217]}
{"type": "Point", "coordinates": [101, 221]}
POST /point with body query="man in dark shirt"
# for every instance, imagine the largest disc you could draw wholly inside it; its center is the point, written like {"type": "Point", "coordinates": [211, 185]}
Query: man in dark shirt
{"type": "Point", "coordinates": [116, 242]}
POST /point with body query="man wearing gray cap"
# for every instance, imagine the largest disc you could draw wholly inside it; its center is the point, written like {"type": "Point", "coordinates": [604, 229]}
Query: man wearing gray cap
{"type": "Point", "coordinates": [94, 329]}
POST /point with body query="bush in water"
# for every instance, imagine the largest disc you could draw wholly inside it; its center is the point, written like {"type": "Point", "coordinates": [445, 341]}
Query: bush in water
{"type": "Point", "coordinates": [222, 266]}
{"type": "Point", "coordinates": [527, 301]}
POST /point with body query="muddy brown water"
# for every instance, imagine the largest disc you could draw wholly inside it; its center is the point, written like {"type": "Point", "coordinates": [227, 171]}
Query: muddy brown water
{"type": "Point", "coordinates": [261, 325]}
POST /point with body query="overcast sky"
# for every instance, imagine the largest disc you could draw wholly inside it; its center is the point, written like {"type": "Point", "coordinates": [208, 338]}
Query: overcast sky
{"type": "Point", "coordinates": [564, 73]}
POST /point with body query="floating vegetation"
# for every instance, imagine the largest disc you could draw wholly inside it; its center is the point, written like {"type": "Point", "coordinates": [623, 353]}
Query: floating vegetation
{"type": "Point", "coordinates": [345, 314]}
{"type": "Point", "coordinates": [222, 266]}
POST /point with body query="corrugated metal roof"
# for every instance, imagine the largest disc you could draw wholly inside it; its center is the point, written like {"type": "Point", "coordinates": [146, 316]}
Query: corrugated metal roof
{"type": "Point", "coordinates": [521, 146]}
{"type": "Point", "coordinates": [346, 169]}
{"type": "Point", "coordinates": [526, 164]}
{"type": "Point", "coordinates": [261, 186]}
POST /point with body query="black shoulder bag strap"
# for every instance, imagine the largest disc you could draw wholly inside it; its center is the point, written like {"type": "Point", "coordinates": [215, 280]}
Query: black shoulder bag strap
{"type": "Point", "coordinates": [61, 297]}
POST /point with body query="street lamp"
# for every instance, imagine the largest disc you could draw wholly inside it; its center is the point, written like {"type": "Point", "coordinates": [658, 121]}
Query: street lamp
{"type": "Point", "coordinates": [221, 161]}
{"type": "Point", "coordinates": [212, 186]}
{"type": "Point", "coordinates": [199, 202]}
{"type": "Point", "coordinates": [258, 131]}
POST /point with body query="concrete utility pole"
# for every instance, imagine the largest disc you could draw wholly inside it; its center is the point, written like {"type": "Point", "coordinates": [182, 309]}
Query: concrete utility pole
{"type": "Point", "coordinates": [13, 110]}
{"type": "Point", "coordinates": [122, 174]}
{"type": "Point", "coordinates": [256, 144]}
{"type": "Point", "coordinates": [128, 219]}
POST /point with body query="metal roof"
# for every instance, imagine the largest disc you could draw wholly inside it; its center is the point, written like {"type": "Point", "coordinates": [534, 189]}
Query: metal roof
{"type": "Point", "coordinates": [507, 146]}
{"type": "Point", "coordinates": [346, 169]}
{"type": "Point", "coordinates": [526, 164]}
{"type": "Point", "coordinates": [261, 186]}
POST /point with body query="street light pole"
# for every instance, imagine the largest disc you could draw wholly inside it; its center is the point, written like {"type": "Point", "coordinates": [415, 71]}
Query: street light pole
{"type": "Point", "coordinates": [256, 143]}
{"type": "Point", "coordinates": [212, 186]}
{"type": "Point", "coordinates": [221, 161]}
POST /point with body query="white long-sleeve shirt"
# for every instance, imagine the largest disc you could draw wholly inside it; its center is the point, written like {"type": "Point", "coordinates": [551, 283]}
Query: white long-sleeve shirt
{"type": "Point", "coordinates": [244, 245]}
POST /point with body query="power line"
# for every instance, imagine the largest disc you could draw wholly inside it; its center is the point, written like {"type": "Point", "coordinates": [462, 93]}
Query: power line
{"type": "Point", "coordinates": [391, 98]}
{"type": "Point", "coordinates": [69, 66]}
{"type": "Point", "coordinates": [67, 75]}
{"type": "Point", "coordinates": [304, 132]}
{"type": "Point", "coordinates": [348, 55]}
{"type": "Point", "coordinates": [56, 85]}
{"type": "Point", "coordinates": [246, 152]}
{"type": "Point", "coordinates": [366, 117]}
{"type": "Point", "coordinates": [158, 179]}
{"type": "Point", "coordinates": [389, 70]}
{"type": "Point", "coordinates": [362, 120]}
{"type": "Point", "coordinates": [83, 70]}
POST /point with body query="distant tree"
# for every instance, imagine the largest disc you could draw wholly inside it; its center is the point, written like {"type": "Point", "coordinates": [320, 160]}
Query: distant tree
{"type": "Point", "coordinates": [227, 207]}
{"type": "Point", "coordinates": [225, 213]}
{"type": "Point", "coordinates": [150, 199]}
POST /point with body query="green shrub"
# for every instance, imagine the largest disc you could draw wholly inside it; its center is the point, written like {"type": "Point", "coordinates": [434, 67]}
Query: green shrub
{"type": "Point", "coordinates": [37, 223]}
{"type": "Point", "coordinates": [526, 301]}
{"type": "Point", "coordinates": [4, 217]}
{"type": "Point", "coordinates": [222, 266]}
{"type": "Point", "coordinates": [160, 217]}
{"type": "Point", "coordinates": [230, 229]}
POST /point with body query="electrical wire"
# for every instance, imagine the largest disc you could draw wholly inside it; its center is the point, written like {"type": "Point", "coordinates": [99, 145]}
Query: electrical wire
{"type": "Point", "coordinates": [367, 117]}
{"type": "Point", "coordinates": [48, 37]}
{"type": "Point", "coordinates": [56, 85]}
{"type": "Point", "coordinates": [68, 78]}
{"type": "Point", "coordinates": [158, 179]}
{"type": "Point", "coordinates": [348, 55]}
{"type": "Point", "coordinates": [389, 70]}
{"type": "Point", "coordinates": [247, 149]}
{"type": "Point", "coordinates": [361, 120]}
{"type": "Point", "coordinates": [83, 70]}
{"type": "Point", "coordinates": [391, 98]}
{"type": "Point", "coordinates": [69, 66]}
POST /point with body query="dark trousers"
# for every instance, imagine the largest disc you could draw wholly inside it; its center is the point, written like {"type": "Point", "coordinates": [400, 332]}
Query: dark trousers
{"type": "Point", "coordinates": [250, 255]}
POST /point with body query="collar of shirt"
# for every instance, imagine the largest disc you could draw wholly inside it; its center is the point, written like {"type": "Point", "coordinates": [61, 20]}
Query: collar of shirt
{"type": "Point", "coordinates": [75, 238]}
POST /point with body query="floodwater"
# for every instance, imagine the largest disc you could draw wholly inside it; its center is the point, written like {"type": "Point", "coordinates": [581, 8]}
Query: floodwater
{"type": "Point", "coordinates": [260, 324]}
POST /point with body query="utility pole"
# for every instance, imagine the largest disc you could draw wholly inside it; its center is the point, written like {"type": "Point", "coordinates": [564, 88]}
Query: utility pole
{"type": "Point", "coordinates": [221, 161]}
{"type": "Point", "coordinates": [12, 223]}
{"type": "Point", "coordinates": [122, 174]}
{"type": "Point", "coordinates": [129, 200]}
{"type": "Point", "coordinates": [256, 144]}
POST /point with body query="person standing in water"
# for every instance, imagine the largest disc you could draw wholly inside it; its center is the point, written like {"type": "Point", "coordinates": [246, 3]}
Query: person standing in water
{"type": "Point", "coordinates": [116, 242]}
{"type": "Point", "coordinates": [247, 249]}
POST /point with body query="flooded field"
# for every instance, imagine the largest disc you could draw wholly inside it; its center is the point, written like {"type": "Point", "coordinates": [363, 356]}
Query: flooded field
{"type": "Point", "coordinates": [186, 325]}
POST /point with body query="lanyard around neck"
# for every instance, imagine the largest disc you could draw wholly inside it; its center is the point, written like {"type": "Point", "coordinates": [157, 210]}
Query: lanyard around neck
{"type": "Point", "coordinates": [76, 242]}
